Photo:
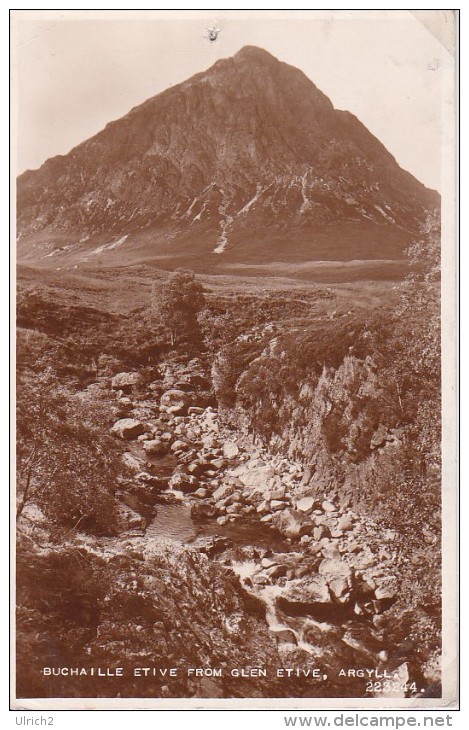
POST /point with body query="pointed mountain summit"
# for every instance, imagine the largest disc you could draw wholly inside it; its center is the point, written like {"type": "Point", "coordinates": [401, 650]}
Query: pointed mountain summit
{"type": "Point", "coordinates": [245, 163]}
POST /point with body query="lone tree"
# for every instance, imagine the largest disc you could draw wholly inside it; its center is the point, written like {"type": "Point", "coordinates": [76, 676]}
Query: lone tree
{"type": "Point", "coordinates": [178, 302]}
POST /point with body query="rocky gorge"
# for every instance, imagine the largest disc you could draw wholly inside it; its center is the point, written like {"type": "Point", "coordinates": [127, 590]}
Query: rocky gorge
{"type": "Point", "coordinates": [317, 579]}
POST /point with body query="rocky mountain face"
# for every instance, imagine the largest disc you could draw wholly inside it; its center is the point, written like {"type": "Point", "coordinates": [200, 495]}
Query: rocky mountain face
{"type": "Point", "coordinates": [245, 162]}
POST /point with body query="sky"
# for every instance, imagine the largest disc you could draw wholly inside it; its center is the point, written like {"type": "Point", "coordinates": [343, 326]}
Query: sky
{"type": "Point", "coordinates": [74, 71]}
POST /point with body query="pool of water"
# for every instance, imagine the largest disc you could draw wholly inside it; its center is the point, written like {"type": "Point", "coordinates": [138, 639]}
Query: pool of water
{"type": "Point", "coordinates": [174, 522]}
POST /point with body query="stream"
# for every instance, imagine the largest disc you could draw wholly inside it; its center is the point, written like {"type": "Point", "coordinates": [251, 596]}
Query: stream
{"type": "Point", "coordinates": [329, 635]}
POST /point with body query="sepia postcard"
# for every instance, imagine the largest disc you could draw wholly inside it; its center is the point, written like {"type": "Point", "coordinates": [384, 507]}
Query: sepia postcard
{"type": "Point", "coordinates": [235, 245]}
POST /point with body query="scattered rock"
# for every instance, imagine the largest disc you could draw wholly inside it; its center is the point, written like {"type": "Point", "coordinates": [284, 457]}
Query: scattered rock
{"type": "Point", "coordinates": [155, 447]}
{"type": "Point", "coordinates": [278, 494]}
{"type": "Point", "coordinates": [276, 571]}
{"type": "Point", "coordinates": [183, 482]}
{"type": "Point", "coordinates": [225, 490]}
{"type": "Point", "coordinates": [320, 531]}
{"type": "Point", "coordinates": [339, 578]}
{"type": "Point", "coordinates": [230, 450]}
{"type": "Point", "coordinates": [308, 590]}
{"type": "Point", "coordinates": [128, 429]}
{"type": "Point", "coordinates": [292, 523]}
{"type": "Point", "coordinates": [284, 636]}
{"type": "Point", "coordinates": [175, 401]}
{"type": "Point", "coordinates": [203, 511]}
{"type": "Point", "coordinates": [306, 504]}
{"type": "Point", "coordinates": [179, 446]}
{"type": "Point", "coordinates": [345, 523]}
{"type": "Point", "coordinates": [277, 504]}
{"type": "Point", "coordinates": [132, 462]}
{"type": "Point", "coordinates": [386, 591]}
{"type": "Point", "coordinates": [129, 519]}
{"type": "Point", "coordinates": [125, 381]}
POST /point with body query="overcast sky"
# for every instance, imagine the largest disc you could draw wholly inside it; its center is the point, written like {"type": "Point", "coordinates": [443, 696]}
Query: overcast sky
{"type": "Point", "coordinates": [74, 72]}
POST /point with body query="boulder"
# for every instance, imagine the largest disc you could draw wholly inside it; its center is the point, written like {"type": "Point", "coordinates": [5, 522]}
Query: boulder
{"type": "Point", "coordinates": [276, 571]}
{"type": "Point", "coordinates": [293, 523]}
{"type": "Point", "coordinates": [198, 467]}
{"type": "Point", "coordinates": [156, 483]}
{"type": "Point", "coordinates": [203, 511]}
{"type": "Point", "coordinates": [175, 401]}
{"type": "Point", "coordinates": [128, 429]}
{"type": "Point", "coordinates": [132, 462]}
{"type": "Point", "coordinates": [308, 590]}
{"type": "Point", "coordinates": [155, 447]}
{"type": "Point", "coordinates": [330, 549]}
{"type": "Point", "coordinates": [212, 545]}
{"type": "Point", "coordinates": [179, 446]}
{"type": "Point", "coordinates": [230, 450]}
{"type": "Point", "coordinates": [263, 507]}
{"type": "Point", "coordinates": [258, 476]}
{"type": "Point", "coordinates": [278, 493]}
{"type": "Point", "coordinates": [320, 531]}
{"type": "Point", "coordinates": [233, 509]}
{"type": "Point", "coordinates": [218, 463]}
{"type": "Point", "coordinates": [124, 381]}
{"type": "Point", "coordinates": [386, 591]}
{"type": "Point", "coordinates": [277, 504]}
{"type": "Point", "coordinates": [306, 504]}
{"type": "Point", "coordinates": [183, 482]}
{"type": "Point", "coordinates": [339, 578]}
{"type": "Point", "coordinates": [328, 506]}
{"type": "Point", "coordinates": [345, 523]}
{"type": "Point", "coordinates": [128, 519]}
{"type": "Point", "coordinates": [225, 490]}
{"type": "Point", "coordinates": [284, 636]}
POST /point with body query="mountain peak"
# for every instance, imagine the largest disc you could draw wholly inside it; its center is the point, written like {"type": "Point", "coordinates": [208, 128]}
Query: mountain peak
{"type": "Point", "coordinates": [254, 53]}
{"type": "Point", "coordinates": [248, 159]}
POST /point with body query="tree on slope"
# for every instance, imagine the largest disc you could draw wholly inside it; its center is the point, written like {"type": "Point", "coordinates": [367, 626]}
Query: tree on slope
{"type": "Point", "coordinates": [178, 302]}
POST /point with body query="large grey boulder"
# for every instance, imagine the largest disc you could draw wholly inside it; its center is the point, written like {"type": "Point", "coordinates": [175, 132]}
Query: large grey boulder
{"type": "Point", "coordinates": [309, 590]}
{"type": "Point", "coordinates": [230, 450]}
{"type": "Point", "coordinates": [292, 523]}
{"type": "Point", "coordinates": [175, 401]}
{"type": "Point", "coordinates": [129, 519]}
{"type": "Point", "coordinates": [183, 482]}
{"type": "Point", "coordinates": [155, 447]}
{"type": "Point", "coordinates": [339, 577]}
{"type": "Point", "coordinates": [125, 381]}
{"type": "Point", "coordinates": [306, 504]}
{"type": "Point", "coordinates": [133, 462]}
{"type": "Point", "coordinates": [128, 429]}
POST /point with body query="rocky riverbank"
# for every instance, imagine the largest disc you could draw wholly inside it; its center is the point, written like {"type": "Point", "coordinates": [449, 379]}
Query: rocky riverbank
{"type": "Point", "coordinates": [325, 589]}
{"type": "Point", "coordinates": [224, 560]}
